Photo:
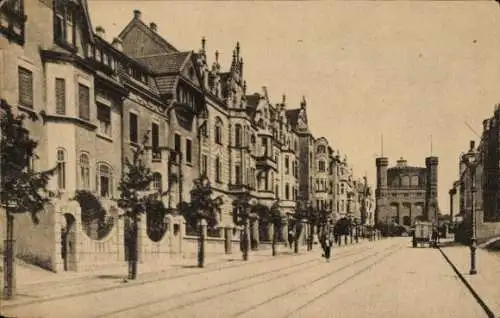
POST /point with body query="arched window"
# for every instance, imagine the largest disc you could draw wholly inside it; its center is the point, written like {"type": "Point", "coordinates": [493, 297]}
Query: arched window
{"type": "Point", "coordinates": [104, 180]}
{"type": "Point", "coordinates": [84, 171]}
{"type": "Point", "coordinates": [237, 135]}
{"type": "Point", "coordinates": [156, 184]}
{"type": "Point", "coordinates": [321, 149]}
{"type": "Point", "coordinates": [287, 192]}
{"type": "Point", "coordinates": [218, 130]}
{"type": "Point", "coordinates": [61, 169]}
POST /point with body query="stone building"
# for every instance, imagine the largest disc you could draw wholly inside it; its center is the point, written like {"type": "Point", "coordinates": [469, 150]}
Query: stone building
{"type": "Point", "coordinates": [344, 188]}
{"type": "Point", "coordinates": [325, 178]}
{"type": "Point", "coordinates": [86, 90]}
{"type": "Point", "coordinates": [405, 193]}
{"type": "Point", "coordinates": [487, 215]}
{"type": "Point", "coordinates": [100, 96]}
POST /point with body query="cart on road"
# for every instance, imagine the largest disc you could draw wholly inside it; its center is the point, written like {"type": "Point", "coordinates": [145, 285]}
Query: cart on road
{"type": "Point", "coordinates": [422, 234]}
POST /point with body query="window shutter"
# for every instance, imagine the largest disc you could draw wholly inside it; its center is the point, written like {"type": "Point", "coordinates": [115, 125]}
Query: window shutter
{"type": "Point", "coordinates": [60, 96]}
{"type": "Point", "coordinates": [25, 87]}
{"type": "Point", "coordinates": [83, 102]}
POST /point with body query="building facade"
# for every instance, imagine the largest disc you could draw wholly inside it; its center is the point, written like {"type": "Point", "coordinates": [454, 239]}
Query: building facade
{"type": "Point", "coordinates": [485, 178]}
{"type": "Point", "coordinates": [405, 193]}
{"type": "Point", "coordinates": [100, 97]}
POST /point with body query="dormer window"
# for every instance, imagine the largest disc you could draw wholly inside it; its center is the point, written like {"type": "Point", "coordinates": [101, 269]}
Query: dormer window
{"type": "Point", "coordinates": [64, 30]}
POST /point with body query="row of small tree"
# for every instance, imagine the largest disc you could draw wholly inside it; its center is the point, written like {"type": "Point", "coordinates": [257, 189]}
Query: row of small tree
{"type": "Point", "coordinates": [23, 190]}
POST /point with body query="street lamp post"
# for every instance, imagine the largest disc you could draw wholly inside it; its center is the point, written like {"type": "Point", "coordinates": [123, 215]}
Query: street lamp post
{"type": "Point", "coordinates": [471, 160]}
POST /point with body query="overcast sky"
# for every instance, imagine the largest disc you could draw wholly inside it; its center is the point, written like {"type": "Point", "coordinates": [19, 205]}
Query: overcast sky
{"type": "Point", "coordinates": [407, 70]}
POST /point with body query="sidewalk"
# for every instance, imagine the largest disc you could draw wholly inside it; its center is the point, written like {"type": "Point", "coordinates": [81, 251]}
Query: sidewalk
{"type": "Point", "coordinates": [485, 284]}
{"type": "Point", "coordinates": [29, 275]}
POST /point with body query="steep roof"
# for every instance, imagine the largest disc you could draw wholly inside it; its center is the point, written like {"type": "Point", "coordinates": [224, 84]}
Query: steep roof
{"type": "Point", "coordinates": [86, 14]}
{"type": "Point", "coordinates": [164, 63]}
{"type": "Point", "coordinates": [292, 115]}
{"type": "Point", "coordinates": [166, 84]}
{"type": "Point", "coordinates": [252, 103]}
{"type": "Point", "coordinates": [155, 37]}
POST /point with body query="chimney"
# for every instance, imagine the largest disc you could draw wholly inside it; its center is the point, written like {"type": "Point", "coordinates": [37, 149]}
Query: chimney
{"type": "Point", "coordinates": [118, 44]}
{"type": "Point", "coordinates": [100, 32]}
{"type": "Point", "coordinates": [153, 26]}
{"type": "Point", "coordinates": [137, 14]}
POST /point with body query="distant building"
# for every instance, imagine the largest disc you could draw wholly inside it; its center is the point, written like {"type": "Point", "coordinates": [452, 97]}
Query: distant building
{"type": "Point", "coordinates": [487, 194]}
{"type": "Point", "coordinates": [405, 193]}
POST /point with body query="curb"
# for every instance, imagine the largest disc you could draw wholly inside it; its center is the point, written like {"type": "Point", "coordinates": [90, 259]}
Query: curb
{"type": "Point", "coordinates": [478, 298]}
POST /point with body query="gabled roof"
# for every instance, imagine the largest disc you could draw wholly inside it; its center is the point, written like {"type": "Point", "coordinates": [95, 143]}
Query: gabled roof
{"type": "Point", "coordinates": [165, 63]}
{"type": "Point", "coordinates": [137, 23]}
{"type": "Point", "coordinates": [86, 14]}
{"type": "Point", "coordinates": [166, 84]}
{"type": "Point", "coordinates": [252, 103]}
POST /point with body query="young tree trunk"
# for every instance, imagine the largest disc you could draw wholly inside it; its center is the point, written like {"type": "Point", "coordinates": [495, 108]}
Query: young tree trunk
{"type": "Point", "coordinates": [9, 277]}
{"type": "Point", "coordinates": [201, 245]}
{"type": "Point", "coordinates": [133, 252]}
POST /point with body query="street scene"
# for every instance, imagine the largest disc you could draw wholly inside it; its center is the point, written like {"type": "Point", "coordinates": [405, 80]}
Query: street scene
{"type": "Point", "coordinates": [249, 159]}
{"type": "Point", "coordinates": [354, 284]}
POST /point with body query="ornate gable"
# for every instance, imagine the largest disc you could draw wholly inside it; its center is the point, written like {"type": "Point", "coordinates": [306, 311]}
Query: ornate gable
{"type": "Point", "coordinates": [190, 72]}
{"type": "Point", "coordinates": [142, 40]}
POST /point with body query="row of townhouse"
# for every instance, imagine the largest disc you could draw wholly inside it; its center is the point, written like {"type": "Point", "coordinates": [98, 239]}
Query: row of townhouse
{"type": "Point", "coordinates": [484, 176]}
{"type": "Point", "coordinates": [100, 97]}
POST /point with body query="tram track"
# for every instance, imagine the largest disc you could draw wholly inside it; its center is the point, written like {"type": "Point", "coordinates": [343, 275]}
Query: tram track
{"type": "Point", "coordinates": [342, 282]}
{"type": "Point", "coordinates": [323, 277]}
{"type": "Point", "coordinates": [300, 266]}
{"type": "Point", "coordinates": [98, 289]}
{"type": "Point", "coordinates": [164, 311]}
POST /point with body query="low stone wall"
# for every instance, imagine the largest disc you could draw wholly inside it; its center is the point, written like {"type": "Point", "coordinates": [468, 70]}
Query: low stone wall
{"type": "Point", "coordinates": [170, 245]}
{"type": "Point", "coordinates": [35, 243]}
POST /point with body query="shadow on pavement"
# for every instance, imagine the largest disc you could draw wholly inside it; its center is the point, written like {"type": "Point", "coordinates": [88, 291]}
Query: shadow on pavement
{"type": "Point", "coordinates": [450, 243]}
{"type": "Point", "coordinates": [109, 276]}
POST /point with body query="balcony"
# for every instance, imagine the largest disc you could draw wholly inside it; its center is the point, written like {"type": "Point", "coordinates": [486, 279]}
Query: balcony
{"type": "Point", "coordinates": [265, 162]}
{"type": "Point", "coordinates": [238, 187]}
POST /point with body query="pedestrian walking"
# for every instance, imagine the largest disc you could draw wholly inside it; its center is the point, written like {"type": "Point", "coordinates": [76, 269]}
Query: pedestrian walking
{"type": "Point", "coordinates": [328, 246]}
{"type": "Point", "coordinates": [291, 238]}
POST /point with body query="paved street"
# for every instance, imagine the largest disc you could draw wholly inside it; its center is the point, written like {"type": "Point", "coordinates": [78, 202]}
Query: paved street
{"type": "Point", "coordinates": [384, 278]}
